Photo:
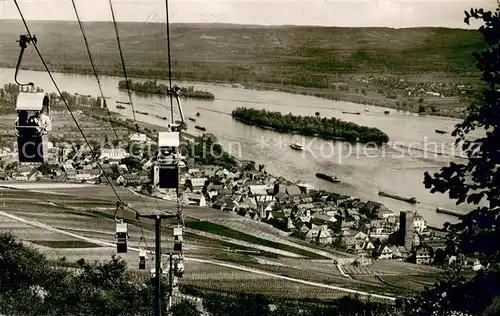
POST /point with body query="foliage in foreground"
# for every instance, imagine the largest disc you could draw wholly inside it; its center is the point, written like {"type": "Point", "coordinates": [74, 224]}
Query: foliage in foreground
{"type": "Point", "coordinates": [476, 182]}
{"type": "Point", "coordinates": [32, 285]}
{"type": "Point", "coordinates": [257, 305]}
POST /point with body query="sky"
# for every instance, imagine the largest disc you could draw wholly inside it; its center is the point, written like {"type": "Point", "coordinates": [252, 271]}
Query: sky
{"type": "Point", "coordinates": [353, 13]}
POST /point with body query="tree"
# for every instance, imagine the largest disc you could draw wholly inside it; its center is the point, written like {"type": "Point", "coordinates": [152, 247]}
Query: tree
{"type": "Point", "coordinates": [32, 285]}
{"type": "Point", "coordinates": [477, 183]}
{"type": "Point", "coordinates": [45, 169]}
{"type": "Point", "coordinates": [185, 308]}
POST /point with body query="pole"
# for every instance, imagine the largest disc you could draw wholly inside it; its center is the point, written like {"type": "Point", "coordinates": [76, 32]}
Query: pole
{"type": "Point", "coordinates": [158, 267]}
{"type": "Point", "coordinates": [158, 218]}
{"type": "Point", "coordinates": [170, 284]}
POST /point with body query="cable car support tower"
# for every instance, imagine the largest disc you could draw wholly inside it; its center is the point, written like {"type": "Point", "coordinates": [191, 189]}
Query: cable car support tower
{"type": "Point", "coordinates": [166, 173]}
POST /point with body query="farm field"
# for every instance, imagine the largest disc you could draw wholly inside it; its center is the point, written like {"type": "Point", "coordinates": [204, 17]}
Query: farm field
{"type": "Point", "coordinates": [93, 217]}
{"type": "Point", "coordinates": [268, 287]}
{"type": "Point", "coordinates": [105, 197]}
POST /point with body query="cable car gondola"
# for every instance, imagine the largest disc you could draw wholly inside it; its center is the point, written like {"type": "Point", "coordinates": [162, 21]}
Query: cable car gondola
{"type": "Point", "coordinates": [121, 237]}
{"type": "Point", "coordinates": [33, 121]}
{"type": "Point", "coordinates": [33, 124]}
{"type": "Point", "coordinates": [142, 259]}
{"type": "Point", "coordinates": [169, 159]}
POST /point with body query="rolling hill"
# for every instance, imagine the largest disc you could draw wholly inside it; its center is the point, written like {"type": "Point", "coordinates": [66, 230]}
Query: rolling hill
{"type": "Point", "coordinates": [296, 55]}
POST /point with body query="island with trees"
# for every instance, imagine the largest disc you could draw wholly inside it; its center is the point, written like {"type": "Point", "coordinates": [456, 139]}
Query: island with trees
{"type": "Point", "coordinates": [152, 87]}
{"type": "Point", "coordinates": [327, 128]}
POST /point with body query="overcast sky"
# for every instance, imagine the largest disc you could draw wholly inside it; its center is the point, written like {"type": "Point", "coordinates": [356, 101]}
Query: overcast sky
{"type": "Point", "coordinates": [395, 13]}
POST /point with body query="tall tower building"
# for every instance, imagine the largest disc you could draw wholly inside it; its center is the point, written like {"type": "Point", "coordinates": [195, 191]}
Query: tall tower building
{"type": "Point", "coordinates": [406, 230]}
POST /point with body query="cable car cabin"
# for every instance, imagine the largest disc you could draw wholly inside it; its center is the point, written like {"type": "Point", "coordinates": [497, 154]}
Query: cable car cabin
{"type": "Point", "coordinates": [179, 268]}
{"type": "Point", "coordinates": [121, 238]}
{"type": "Point", "coordinates": [178, 239]}
{"type": "Point", "coordinates": [153, 269]}
{"type": "Point", "coordinates": [32, 125]}
{"type": "Point", "coordinates": [142, 259]}
{"type": "Point", "coordinates": [167, 171]}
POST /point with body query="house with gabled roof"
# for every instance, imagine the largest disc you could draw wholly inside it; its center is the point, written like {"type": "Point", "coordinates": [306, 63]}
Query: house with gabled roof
{"type": "Point", "coordinates": [352, 237]}
{"type": "Point", "coordinates": [196, 184]}
{"type": "Point", "coordinates": [399, 252]}
{"type": "Point", "coordinates": [385, 252]}
{"type": "Point", "coordinates": [230, 206]}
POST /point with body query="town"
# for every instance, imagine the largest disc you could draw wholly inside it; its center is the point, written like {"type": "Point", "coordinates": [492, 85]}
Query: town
{"type": "Point", "coordinates": [368, 229]}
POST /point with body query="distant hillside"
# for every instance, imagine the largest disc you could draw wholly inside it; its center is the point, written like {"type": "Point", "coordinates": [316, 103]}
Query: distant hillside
{"type": "Point", "coordinates": [296, 55]}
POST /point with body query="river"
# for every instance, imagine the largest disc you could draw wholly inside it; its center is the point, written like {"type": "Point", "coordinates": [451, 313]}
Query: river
{"type": "Point", "coordinates": [363, 171]}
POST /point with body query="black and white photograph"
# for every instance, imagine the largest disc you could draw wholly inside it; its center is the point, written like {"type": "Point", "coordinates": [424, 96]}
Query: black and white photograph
{"type": "Point", "coordinates": [249, 158]}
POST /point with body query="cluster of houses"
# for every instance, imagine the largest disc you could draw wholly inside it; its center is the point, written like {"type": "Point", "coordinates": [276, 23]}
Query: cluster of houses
{"type": "Point", "coordinates": [367, 229]}
{"type": "Point", "coordinates": [77, 165]}
{"type": "Point", "coordinates": [433, 89]}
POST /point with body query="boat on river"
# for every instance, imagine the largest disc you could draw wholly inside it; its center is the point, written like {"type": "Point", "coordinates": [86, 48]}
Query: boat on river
{"type": "Point", "coordinates": [201, 128]}
{"type": "Point", "coordinates": [297, 146]}
{"type": "Point", "coordinates": [330, 178]}
{"type": "Point", "coordinates": [448, 212]}
{"type": "Point", "coordinates": [386, 112]}
{"type": "Point", "coordinates": [122, 102]}
{"type": "Point", "coordinates": [441, 131]}
{"type": "Point", "coordinates": [411, 200]}
{"type": "Point", "coordinates": [121, 107]}
{"type": "Point", "coordinates": [354, 113]}
{"type": "Point", "coordinates": [192, 119]}
{"type": "Point", "coordinates": [143, 113]}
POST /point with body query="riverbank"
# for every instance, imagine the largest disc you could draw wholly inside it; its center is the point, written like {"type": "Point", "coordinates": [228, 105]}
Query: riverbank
{"type": "Point", "coordinates": [368, 93]}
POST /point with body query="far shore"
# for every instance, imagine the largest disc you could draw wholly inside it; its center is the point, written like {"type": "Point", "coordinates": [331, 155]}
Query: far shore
{"type": "Point", "coordinates": [368, 100]}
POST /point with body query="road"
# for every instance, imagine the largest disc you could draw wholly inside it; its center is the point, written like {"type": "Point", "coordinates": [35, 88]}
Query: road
{"type": "Point", "coordinates": [214, 262]}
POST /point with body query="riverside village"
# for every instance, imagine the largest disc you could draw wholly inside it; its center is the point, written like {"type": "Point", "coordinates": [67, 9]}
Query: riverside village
{"type": "Point", "coordinates": [366, 229]}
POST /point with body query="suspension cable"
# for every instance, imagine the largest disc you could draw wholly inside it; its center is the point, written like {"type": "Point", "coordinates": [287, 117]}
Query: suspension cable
{"type": "Point", "coordinates": [128, 90]}
{"type": "Point", "coordinates": [120, 202]}
{"type": "Point", "coordinates": [93, 67]}
{"type": "Point", "coordinates": [171, 92]}
{"type": "Point", "coordinates": [65, 102]}
{"type": "Point", "coordinates": [123, 63]}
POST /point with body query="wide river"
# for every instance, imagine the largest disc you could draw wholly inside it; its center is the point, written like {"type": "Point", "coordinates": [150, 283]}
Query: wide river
{"type": "Point", "coordinates": [363, 170]}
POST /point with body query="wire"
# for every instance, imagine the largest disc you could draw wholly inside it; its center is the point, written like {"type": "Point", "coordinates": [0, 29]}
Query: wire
{"type": "Point", "coordinates": [169, 57]}
{"type": "Point", "coordinates": [169, 64]}
{"type": "Point", "coordinates": [142, 235]}
{"type": "Point", "coordinates": [128, 89]}
{"type": "Point", "coordinates": [65, 102]}
{"type": "Point", "coordinates": [120, 202]}
{"type": "Point", "coordinates": [93, 67]}
{"type": "Point", "coordinates": [123, 63]}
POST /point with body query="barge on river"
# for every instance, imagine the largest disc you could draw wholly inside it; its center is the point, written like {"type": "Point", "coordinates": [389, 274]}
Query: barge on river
{"type": "Point", "coordinates": [411, 200]}
{"type": "Point", "coordinates": [448, 212]}
{"type": "Point", "coordinates": [329, 178]}
{"type": "Point", "coordinates": [296, 146]}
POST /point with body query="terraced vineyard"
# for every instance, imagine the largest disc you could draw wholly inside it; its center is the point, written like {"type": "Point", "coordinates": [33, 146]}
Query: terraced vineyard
{"type": "Point", "coordinates": [354, 271]}
{"type": "Point", "coordinates": [271, 287]}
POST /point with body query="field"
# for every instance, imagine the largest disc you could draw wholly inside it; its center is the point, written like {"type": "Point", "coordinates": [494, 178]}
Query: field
{"type": "Point", "coordinates": [231, 260]}
{"type": "Point", "coordinates": [320, 61]}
